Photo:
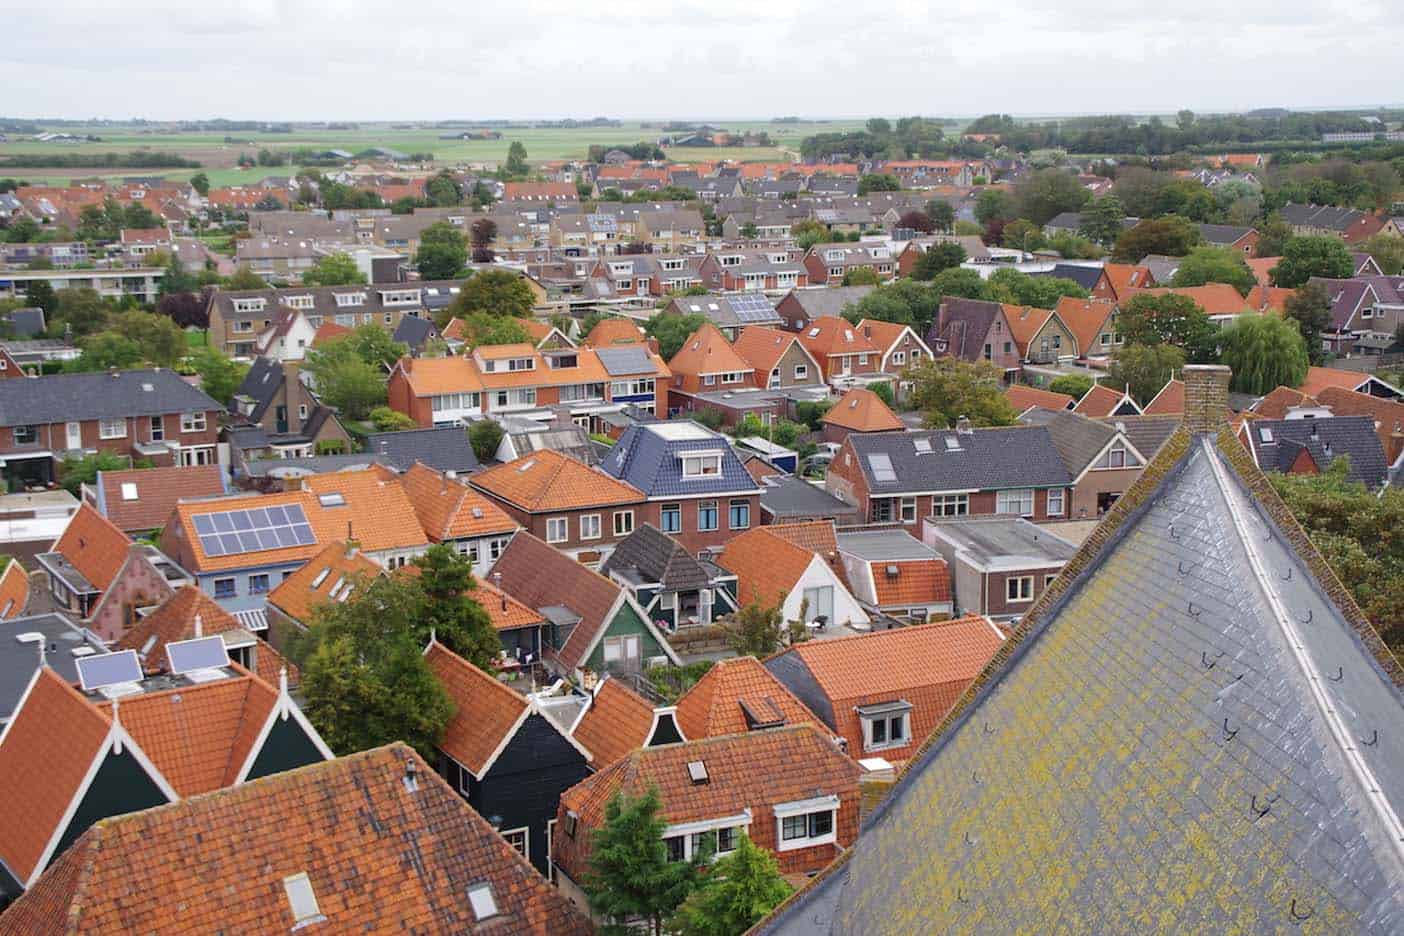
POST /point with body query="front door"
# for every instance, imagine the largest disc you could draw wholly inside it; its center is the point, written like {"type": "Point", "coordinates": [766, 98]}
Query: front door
{"type": "Point", "coordinates": [75, 435]}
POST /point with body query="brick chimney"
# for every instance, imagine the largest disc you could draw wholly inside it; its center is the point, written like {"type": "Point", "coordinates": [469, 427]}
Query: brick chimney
{"type": "Point", "coordinates": [1206, 396]}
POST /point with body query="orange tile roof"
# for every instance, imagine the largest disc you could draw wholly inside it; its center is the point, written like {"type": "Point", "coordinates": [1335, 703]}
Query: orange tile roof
{"type": "Point", "coordinates": [707, 351]}
{"type": "Point", "coordinates": [39, 776]}
{"type": "Point", "coordinates": [547, 480]}
{"type": "Point", "coordinates": [14, 590]}
{"type": "Point", "coordinates": [817, 536]}
{"type": "Point", "coordinates": [744, 771]}
{"type": "Point", "coordinates": [616, 722]}
{"type": "Point", "coordinates": [449, 509]}
{"type": "Point", "coordinates": [175, 620]}
{"type": "Point", "coordinates": [537, 329]}
{"type": "Point", "coordinates": [93, 546]}
{"type": "Point", "coordinates": [434, 376]}
{"type": "Point", "coordinates": [883, 334]}
{"type": "Point", "coordinates": [455, 329]}
{"type": "Point", "coordinates": [718, 702]}
{"type": "Point", "coordinates": [502, 352]}
{"type": "Point", "coordinates": [329, 331]}
{"type": "Point", "coordinates": [1278, 401]}
{"type": "Point", "coordinates": [1388, 416]}
{"type": "Point", "coordinates": [1269, 299]}
{"type": "Point", "coordinates": [298, 596]}
{"type": "Point", "coordinates": [381, 855]}
{"type": "Point", "coordinates": [917, 582]}
{"type": "Point", "coordinates": [182, 526]}
{"type": "Point", "coordinates": [1213, 298]}
{"type": "Point", "coordinates": [833, 335]}
{"type": "Point", "coordinates": [486, 711]}
{"type": "Point", "coordinates": [1262, 268]}
{"type": "Point", "coordinates": [505, 612]}
{"type": "Point", "coordinates": [588, 369]}
{"type": "Point", "coordinates": [1170, 401]}
{"type": "Point", "coordinates": [1086, 319]}
{"type": "Point", "coordinates": [861, 410]}
{"type": "Point", "coordinates": [1024, 323]}
{"type": "Point", "coordinates": [1319, 378]}
{"type": "Point", "coordinates": [766, 565]}
{"type": "Point", "coordinates": [156, 492]}
{"type": "Point", "coordinates": [1124, 277]}
{"type": "Point", "coordinates": [377, 512]}
{"type": "Point", "coordinates": [1023, 398]}
{"type": "Point", "coordinates": [614, 331]}
{"type": "Point", "coordinates": [1100, 401]}
{"type": "Point", "coordinates": [762, 347]}
{"type": "Point", "coordinates": [198, 736]}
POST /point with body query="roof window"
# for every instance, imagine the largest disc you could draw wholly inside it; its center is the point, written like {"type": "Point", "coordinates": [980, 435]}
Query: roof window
{"type": "Point", "coordinates": [302, 900]}
{"type": "Point", "coordinates": [697, 772]}
{"type": "Point", "coordinates": [129, 491]}
{"type": "Point", "coordinates": [480, 897]}
{"type": "Point", "coordinates": [331, 499]}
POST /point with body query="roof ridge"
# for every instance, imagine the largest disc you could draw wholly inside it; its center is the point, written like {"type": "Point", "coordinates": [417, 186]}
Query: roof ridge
{"type": "Point", "coordinates": [477, 673]}
{"type": "Point", "coordinates": [909, 629]}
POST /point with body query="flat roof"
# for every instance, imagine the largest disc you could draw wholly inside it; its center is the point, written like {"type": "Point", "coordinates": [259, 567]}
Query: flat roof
{"type": "Point", "coordinates": [881, 545]}
{"type": "Point", "coordinates": [680, 431]}
{"type": "Point", "coordinates": [18, 661]}
{"type": "Point", "coordinates": [1004, 542]}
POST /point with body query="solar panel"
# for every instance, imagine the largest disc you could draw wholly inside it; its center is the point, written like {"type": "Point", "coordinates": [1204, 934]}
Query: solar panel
{"type": "Point", "coordinates": [108, 669]}
{"type": "Point", "coordinates": [882, 467]}
{"type": "Point", "coordinates": [752, 307]}
{"type": "Point", "coordinates": [233, 532]}
{"type": "Point", "coordinates": [200, 653]}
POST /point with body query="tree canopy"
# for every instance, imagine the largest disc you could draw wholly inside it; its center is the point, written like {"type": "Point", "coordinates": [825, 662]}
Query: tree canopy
{"type": "Point", "coordinates": [942, 255]}
{"type": "Point", "coordinates": [1215, 265]}
{"type": "Point", "coordinates": [738, 891]}
{"type": "Point", "coordinates": [1170, 236]}
{"type": "Point", "coordinates": [1144, 369]}
{"type": "Point", "coordinates": [337, 269]}
{"type": "Point", "coordinates": [443, 252]}
{"type": "Point", "coordinates": [948, 388]}
{"type": "Point", "coordinates": [1310, 309]}
{"type": "Point", "coordinates": [630, 874]}
{"type": "Point", "coordinates": [1265, 352]}
{"type": "Point", "coordinates": [1305, 257]}
{"type": "Point", "coordinates": [496, 292]}
{"type": "Point", "coordinates": [1172, 319]}
{"type": "Point", "coordinates": [671, 330]}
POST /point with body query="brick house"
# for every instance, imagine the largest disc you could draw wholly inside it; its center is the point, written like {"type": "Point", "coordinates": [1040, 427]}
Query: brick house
{"type": "Point", "coordinates": [828, 264]}
{"type": "Point", "coordinates": [859, 410]}
{"type": "Point", "coordinates": [738, 269]}
{"type": "Point", "coordinates": [901, 477]}
{"type": "Point", "coordinates": [974, 330]}
{"type": "Point", "coordinates": [140, 414]}
{"type": "Point", "coordinates": [999, 565]}
{"type": "Point", "coordinates": [799, 307]}
{"type": "Point", "coordinates": [842, 350]}
{"type": "Point", "coordinates": [1103, 456]}
{"type": "Point", "coordinates": [778, 359]}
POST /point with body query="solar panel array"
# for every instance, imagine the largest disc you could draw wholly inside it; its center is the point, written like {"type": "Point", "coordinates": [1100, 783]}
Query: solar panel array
{"type": "Point", "coordinates": [233, 532]}
{"type": "Point", "coordinates": [108, 669]}
{"type": "Point", "coordinates": [199, 653]}
{"type": "Point", "coordinates": [752, 307]}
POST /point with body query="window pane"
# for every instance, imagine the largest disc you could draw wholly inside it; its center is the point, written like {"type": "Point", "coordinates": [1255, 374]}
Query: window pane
{"type": "Point", "coordinates": [820, 823]}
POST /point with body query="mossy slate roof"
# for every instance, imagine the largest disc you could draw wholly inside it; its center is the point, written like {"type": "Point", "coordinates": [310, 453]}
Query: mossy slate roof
{"type": "Point", "coordinates": [1193, 731]}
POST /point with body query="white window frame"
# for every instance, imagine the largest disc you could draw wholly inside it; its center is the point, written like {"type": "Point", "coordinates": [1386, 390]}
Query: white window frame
{"type": "Point", "coordinates": [560, 524]}
{"type": "Point", "coordinates": [959, 504]}
{"type": "Point", "coordinates": [31, 430]}
{"type": "Point", "coordinates": [687, 831]}
{"type": "Point", "coordinates": [1023, 593]}
{"type": "Point", "coordinates": [157, 427]}
{"type": "Point", "coordinates": [806, 808]}
{"type": "Point", "coordinates": [623, 522]}
{"type": "Point", "coordinates": [594, 522]}
{"type": "Point", "coordinates": [525, 832]}
{"type": "Point", "coordinates": [899, 357]}
{"type": "Point", "coordinates": [233, 587]}
{"type": "Point", "coordinates": [106, 428]}
{"type": "Point", "coordinates": [1062, 497]}
{"type": "Point", "coordinates": [192, 422]}
{"type": "Point", "coordinates": [701, 462]}
{"type": "Point", "coordinates": [801, 371]}
{"type": "Point", "coordinates": [903, 718]}
{"type": "Point", "coordinates": [1014, 501]}
{"type": "Point", "coordinates": [908, 510]}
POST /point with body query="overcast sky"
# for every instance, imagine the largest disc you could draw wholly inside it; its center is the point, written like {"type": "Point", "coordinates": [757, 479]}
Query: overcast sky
{"type": "Point", "coordinates": [420, 59]}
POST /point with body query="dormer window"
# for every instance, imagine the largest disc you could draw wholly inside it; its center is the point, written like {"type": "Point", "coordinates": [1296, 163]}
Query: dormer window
{"type": "Point", "coordinates": [350, 299]}
{"type": "Point", "coordinates": [701, 465]}
{"type": "Point", "coordinates": [521, 364]}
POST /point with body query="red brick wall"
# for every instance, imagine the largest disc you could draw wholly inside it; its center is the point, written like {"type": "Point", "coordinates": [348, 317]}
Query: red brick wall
{"type": "Point", "coordinates": [402, 398]}
{"type": "Point", "coordinates": [996, 591]}
{"type": "Point", "coordinates": [694, 540]}
{"type": "Point", "coordinates": [138, 584]}
{"type": "Point", "coordinates": [536, 522]}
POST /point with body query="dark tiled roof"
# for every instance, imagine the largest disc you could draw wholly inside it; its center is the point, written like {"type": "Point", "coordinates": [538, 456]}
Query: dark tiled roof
{"type": "Point", "coordinates": [444, 449]}
{"type": "Point", "coordinates": [658, 558]}
{"type": "Point", "coordinates": [1171, 728]}
{"type": "Point", "coordinates": [786, 496]}
{"type": "Point", "coordinates": [1084, 276]}
{"type": "Point", "coordinates": [414, 331]}
{"type": "Point", "coordinates": [261, 384]}
{"type": "Point", "coordinates": [987, 460]}
{"type": "Point", "coordinates": [829, 301]}
{"type": "Point", "coordinates": [1222, 234]}
{"type": "Point", "coordinates": [648, 459]}
{"type": "Point", "coordinates": [963, 324]}
{"type": "Point", "coordinates": [1278, 443]}
{"type": "Point", "coordinates": [62, 397]}
{"type": "Point", "coordinates": [1077, 438]}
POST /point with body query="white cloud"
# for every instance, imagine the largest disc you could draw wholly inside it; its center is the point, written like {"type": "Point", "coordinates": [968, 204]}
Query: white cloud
{"type": "Point", "coordinates": [327, 59]}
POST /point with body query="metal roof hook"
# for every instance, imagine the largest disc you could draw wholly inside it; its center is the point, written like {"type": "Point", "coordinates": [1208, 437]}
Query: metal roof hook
{"type": "Point", "coordinates": [989, 730]}
{"type": "Point", "coordinates": [969, 840]}
{"type": "Point", "coordinates": [1208, 663]}
{"type": "Point", "coordinates": [1192, 612]}
{"type": "Point", "coordinates": [1340, 674]}
{"type": "Point", "coordinates": [1181, 567]}
{"type": "Point", "coordinates": [1288, 576]}
{"type": "Point", "coordinates": [1310, 615]}
{"type": "Point", "coordinates": [1299, 917]}
{"type": "Point", "coordinates": [1261, 812]}
{"type": "Point", "coordinates": [1374, 738]}
{"type": "Point", "coordinates": [960, 895]}
{"type": "Point", "coordinates": [1173, 534]}
{"type": "Point", "coordinates": [975, 777]}
{"type": "Point", "coordinates": [1229, 735]}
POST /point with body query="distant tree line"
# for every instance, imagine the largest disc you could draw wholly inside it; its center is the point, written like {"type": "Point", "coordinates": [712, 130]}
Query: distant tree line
{"type": "Point", "coordinates": [137, 159]}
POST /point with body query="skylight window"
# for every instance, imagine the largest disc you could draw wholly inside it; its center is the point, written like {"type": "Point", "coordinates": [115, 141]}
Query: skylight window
{"type": "Point", "coordinates": [1265, 435]}
{"type": "Point", "coordinates": [129, 491]}
{"type": "Point", "coordinates": [331, 499]}
{"type": "Point", "coordinates": [881, 464]}
{"type": "Point", "coordinates": [697, 771]}
{"type": "Point", "coordinates": [952, 444]}
{"type": "Point", "coordinates": [480, 897]}
{"type": "Point", "coordinates": [302, 900]}
{"type": "Point", "coordinates": [923, 446]}
{"type": "Point", "coordinates": [321, 577]}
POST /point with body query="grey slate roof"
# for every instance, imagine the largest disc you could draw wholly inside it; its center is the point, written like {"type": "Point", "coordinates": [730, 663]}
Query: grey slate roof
{"type": "Point", "coordinates": [1077, 438]}
{"type": "Point", "coordinates": [961, 326]}
{"type": "Point", "coordinates": [1326, 439]}
{"type": "Point", "coordinates": [987, 460]}
{"type": "Point", "coordinates": [1221, 235]}
{"type": "Point", "coordinates": [25, 323]}
{"type": "Point", "coordinates": [261, 384]}
{"type": "Point", "coordinates": [1146, 433]}
{"type": "Point", "coordinates": [650, 462]}
{"type": "Point", "coordinates": [790, 669]}
{"type": "Point", "coordinates": [1084, 276]}
{"type": "Point", "coordinates": [414, 331]}
{"type": "Point", "coordinates": [18, 661]}
{"type": "Point", "coordinates": [444, 449]}
{"type": "Point", "coordinates": [829, 301]}
{"type": "Point", "coordinates": [788, 497]}
{"type": "Point", "coordinates": [656, 557]}
{"type": "Point", "coordinates": [626, 360]}
{"type": "Point", "coordinates": [62, 397]}
{"type": "Point", "coordinates": [1167, 746]}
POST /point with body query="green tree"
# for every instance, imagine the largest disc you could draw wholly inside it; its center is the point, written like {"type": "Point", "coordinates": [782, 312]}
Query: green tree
{"type": "Point", "coordinates": [161, 341]}
{"type": "Point", "coordinates": [22, 230]}
{"type": "Point", "coordinates": [1273, 237]}
{"type": "Point", "coordinates": [756, 630]}
{"type": "Point", "coordinates": [961, 283]}
{"type": "Point", "coordinates": [1361, 535]}
{"type": "Point", "coordinates": [671, 330]}
{"type": "Point", "coordinates": [480, 328]}
{"type": "Point", "coordinates": [496, 292]}
{"type": "Point", "coordinates": [1101, 220]}
{"type": "Point", "coordinates": [386, 419]}
{"type": "Point", "coordinates": [749, 230]}
{"type": "Point", "coordinates": [993, 205]}
{"type": "Point", "coordinates": [40, 293]}
{"type": "Point", "coordinates": [1041, 292]}
{"type": "Point", "coordinates": [1310, 309]}
{"type": "Point", "coordinates": [861, 276]}
{"type": "Point", "coordinates": [516, 164]}
{"type": "Point", "coordinates": [1388, 252]}
{"type": "Point", "coordinates": [738, 892]}
{"type": "Point", "coordinates": [948, 388]}
{"type": "Point", "coordinates": [104, 351]}
{"type": "Point", "coordinates": [1048, 193]}
{"type": "Point", "coordinates": [905, 302]}
{"type": "Point", "coordinates": [1215, 265]}
{"type": "Point", "coordinates": [941, 213]}
{"type": "Point", "coordinates": [1170, 236]}
{"type": "Point", "coordinates": [1305, 257]}
{"type": "Point", "coordinates": [1144, 369]}
{"type": "Point", "coordinates": [485, 436]}
{"type": "Point", "coordinates": [1022, 234]}
{"type": "Point", "coordinates": [344, 379]}
{"type": "Point", "coordinates": [1265, 352]}
{"type": "Point", "coordinates": [374, 345]}
{"type": "Point", "coordinates": [1074, 385]}
{"type": "Point", "coordinates": [808, 232]}
{"type": "Point", "coordinates": [1170, 319]}
{"type": "Point", "coordinates": [443, 190]}
{"type": "Point", "coordinates": [80, 309]}
{"type": "Point", "coordinates": [443, 252]}
{"type": "Point", "coordinates": [630, 874]}
{"type": "Point", "coordinates": [220, 375]}
{"type": "Point", "coordinates": [450, 611]}
{"type": "Point", "coordinates": [244, 278]}
{"type": "Point", "coordinates": [75, 472]}
{"type": "Point", "coordinates": [200, 183]}
{"type": "Point", "coordinates": [174, 279]}
{"type": "Point", "coordinates": [878, 183]}
{"type": "Point", "coordinates": [337, 269]}
{"type": "Point", "coordinates": [364, 677]}
{"type": "Point", "coordinates": [942, 255]}
{"type": "Point", "coordinates": [882, 389]}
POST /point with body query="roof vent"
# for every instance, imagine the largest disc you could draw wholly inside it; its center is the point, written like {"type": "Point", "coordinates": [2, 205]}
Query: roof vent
{"type": "Point", "coordinates": [697, 772]}
{"type": "Point", "coordinates": [411, 775]}
{"type": "Point", "coordinates": [963, 426]}
{"type": "Point", "coordinates": [30, 637]}
{"type": "Point", "coordinates": [893, 571]}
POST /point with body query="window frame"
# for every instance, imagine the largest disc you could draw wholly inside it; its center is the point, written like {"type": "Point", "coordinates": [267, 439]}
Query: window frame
{"type": "Point", "coordinates": [625, 528]}
{"type": "Point", "coordinates": [735, 504]}
{"type": "Point", "coordinates": [951, 505]}
{"type": "Point", "coordinates": [670, 510]}
{"type": "Point", "coordinates": [525, 833]}
{"type": "Point", "coordinates": [594, 520]}
{"type": "Point", "coordinates": [193, 422]}
{"type": "Point", "coordinates": [266, 582]}
{"type": "Point", "coordinates": [1023, 495]}
{"type": "Point", "coordinates": [105, 428]}
{"type": "Point", "coordinates": [233, 591]}
{"type": "Point", "coordinates": [714, 510]}
{"type": "Point", "coordinates": [1062, 496]}
{"type": "Point", "coordinates": [1024, 589]}
{"type": "Point", "coordinates": [561, 523]}
{"type": "Point", "coordinates": [31, 430]}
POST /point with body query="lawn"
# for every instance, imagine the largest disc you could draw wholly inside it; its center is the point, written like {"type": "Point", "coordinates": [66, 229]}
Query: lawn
{"type": "Point", "coordinates": [196, 338]}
